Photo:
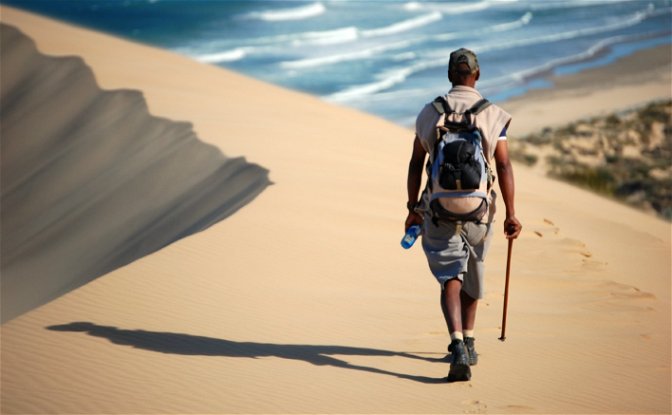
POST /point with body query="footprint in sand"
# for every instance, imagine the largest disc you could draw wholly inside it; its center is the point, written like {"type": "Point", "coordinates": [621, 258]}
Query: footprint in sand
{"type": "Point", "coordinates": [540, 232]}
{"type": "Point", "coordinates": [625, 298]}
{"type": "Point", "coordinates": [520, 408]}
{"type": "Point", "coordinates": [556, 230]}
{"type": "Point", "coordinates": [627, 292]}
{"type": "Point", "coordinates": [592, 265]}
{"type": "Point", "coordinates": [576, 246]}
{"type": "Point", "coordinates": [474, 406]}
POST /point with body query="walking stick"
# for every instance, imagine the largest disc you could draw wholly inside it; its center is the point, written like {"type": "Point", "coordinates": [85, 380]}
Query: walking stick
{"type": "Point", "coordinates": [506, 290]}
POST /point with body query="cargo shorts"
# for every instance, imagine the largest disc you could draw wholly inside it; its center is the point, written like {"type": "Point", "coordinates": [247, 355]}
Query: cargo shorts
{"type": "Point", "coordinates": [457, 250]}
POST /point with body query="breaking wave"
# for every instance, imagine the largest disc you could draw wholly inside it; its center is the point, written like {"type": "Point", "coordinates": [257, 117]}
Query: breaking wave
{"type": "Point", "coordinates": [296, 13]}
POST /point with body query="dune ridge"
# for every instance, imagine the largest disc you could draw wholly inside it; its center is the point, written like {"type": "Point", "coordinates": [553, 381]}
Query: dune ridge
{"type": "Point", "coordinates": [74, 155]}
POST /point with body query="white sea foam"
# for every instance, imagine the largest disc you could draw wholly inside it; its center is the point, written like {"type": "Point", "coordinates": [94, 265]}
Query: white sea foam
{"type": "Point", "coordinates": [296, 13]}
{"type": "Point", "coordinates": [412, 6]}
{"type": "Point", "coordinates": [396, 95]}
{"type": "Point", "coordinates": [352, 33]}
{"type": "Point", "coordinates": [632, 20]}
{"type": "Point", "coordinates": [389, 79]}
{"type": "Point", "coordinates": [503, 27]}
{"type": "Point", "coordinates": [326, 37]}
{"type": "Point", "coordinates": [347, 34]}
{"type": "Point", "coordinates": [343, 57]}
{"type": "Point", "coordinates": [221, 57]}
{"type": "Point", "coordinates": [404, 26]}
{"type": "Point", "coordinates": [570, 4]}
{"type": "Point", "coordinates": [437, 58]}
{"type": "Point", "coordinates": [353, 93]}
{"type": "Point", "coordinates": [449, 8]}
{"type": "Point", "coordinates": [384, 81]}
{"type": "Point", "coordinates": [404, 56]}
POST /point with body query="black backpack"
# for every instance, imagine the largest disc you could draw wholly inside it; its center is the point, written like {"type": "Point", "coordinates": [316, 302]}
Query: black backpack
{"type": "Point", "coordinates": [460, 177]}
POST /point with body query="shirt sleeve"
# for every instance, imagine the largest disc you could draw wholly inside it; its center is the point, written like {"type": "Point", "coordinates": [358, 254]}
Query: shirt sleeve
{"type": "Point", "coordinates": [425, 126]}
{"type": "Point", "coordinates": [502, 135]}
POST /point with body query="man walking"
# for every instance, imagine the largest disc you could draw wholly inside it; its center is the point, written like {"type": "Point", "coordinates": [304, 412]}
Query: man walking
{"type": "Point", "coordinates": [455, 245]}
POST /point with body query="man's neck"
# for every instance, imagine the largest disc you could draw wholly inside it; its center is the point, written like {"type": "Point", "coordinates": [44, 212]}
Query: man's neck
{"type": "Point", "coordinates": [469, 84]}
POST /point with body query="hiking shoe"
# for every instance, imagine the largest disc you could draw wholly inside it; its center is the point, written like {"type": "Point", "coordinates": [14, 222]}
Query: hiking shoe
{"type": "Point", "coordinates": [459, 363]}
{"type": "Point", "coordinates": [471, 350]}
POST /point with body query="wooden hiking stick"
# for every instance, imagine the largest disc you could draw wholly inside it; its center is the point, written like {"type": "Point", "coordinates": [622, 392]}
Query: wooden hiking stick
{"type": "Point", "coordinates": [506, 290]}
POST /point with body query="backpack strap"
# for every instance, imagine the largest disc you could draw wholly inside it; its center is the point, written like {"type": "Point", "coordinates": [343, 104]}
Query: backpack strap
{"type": "Point", "coordinates": [441, 106]}
{"type": "Point", "coordinates": [479, 106]}
{"type": "Point", "coordinates": [476, 109]}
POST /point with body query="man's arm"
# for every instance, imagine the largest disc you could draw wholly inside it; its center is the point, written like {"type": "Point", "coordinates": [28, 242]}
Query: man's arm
{"type": "Point", "coordinates": [414, 181]}
{"type": "Point", "coordinates": [512, 226]}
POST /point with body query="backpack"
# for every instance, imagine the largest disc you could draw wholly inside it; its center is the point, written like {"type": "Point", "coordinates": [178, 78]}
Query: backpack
{"type": "Point", "coordinates": [460, 177]}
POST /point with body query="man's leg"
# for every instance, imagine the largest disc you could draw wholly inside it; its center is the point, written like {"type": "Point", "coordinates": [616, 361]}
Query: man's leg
{"type": "Point", "coordinates": [473, 287]}
{"type": "Point", "coordinates": [452, 312]}
{"type": "Point", "coordinates": [469, 306]}
{"type": "Point", "coordinates": [451, 305]}
{"type": "Point", "coordinates": [459, 308]}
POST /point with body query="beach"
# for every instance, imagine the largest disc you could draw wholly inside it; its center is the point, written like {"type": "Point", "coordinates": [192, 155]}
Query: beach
{"type": "Point", "coordinates": [632, 82]}
{"type": "Point", "coordinates": [299, 298]}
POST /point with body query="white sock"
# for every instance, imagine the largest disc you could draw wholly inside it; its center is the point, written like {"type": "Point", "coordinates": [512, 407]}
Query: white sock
{"type": "Point", "coordinates": [456, 335]}
{"type": "Point", "coordinates": [469, 333]}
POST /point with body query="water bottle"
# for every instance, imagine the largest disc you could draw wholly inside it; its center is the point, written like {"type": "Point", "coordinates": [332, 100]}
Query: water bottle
{"type": "Point", "coordinates": [411, 235]}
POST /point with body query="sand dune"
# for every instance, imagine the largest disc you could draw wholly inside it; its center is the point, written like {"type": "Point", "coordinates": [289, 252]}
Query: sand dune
{"type": "Point", "coordinates": [303, 301]}
{"type": "Point", "coordinates": [91, 181]}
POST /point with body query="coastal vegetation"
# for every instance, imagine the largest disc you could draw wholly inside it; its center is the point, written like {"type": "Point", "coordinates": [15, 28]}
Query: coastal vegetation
{"type": "Point", "coordinates": [626, 155]}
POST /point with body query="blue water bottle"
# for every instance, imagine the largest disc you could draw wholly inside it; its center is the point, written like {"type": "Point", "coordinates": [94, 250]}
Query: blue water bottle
{"type": "Point", "coordinates": [411, 235]}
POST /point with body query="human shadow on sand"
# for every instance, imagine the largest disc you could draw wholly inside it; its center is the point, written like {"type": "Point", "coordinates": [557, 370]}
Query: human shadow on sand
{"type": "Point", "coordinates": [187, 344]}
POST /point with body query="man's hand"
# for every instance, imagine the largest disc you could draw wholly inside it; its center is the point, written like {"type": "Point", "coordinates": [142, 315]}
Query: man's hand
{"type": "Point", "coordinates": [415, 166]}
{"type": "Point", "coordinates": [512, 227]}
{"type": "Point", "coordinates": [413, 218]}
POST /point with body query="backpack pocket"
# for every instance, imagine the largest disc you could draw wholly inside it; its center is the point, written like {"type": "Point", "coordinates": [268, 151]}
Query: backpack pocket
{"type": "Point", "coordinates": [460, 169]}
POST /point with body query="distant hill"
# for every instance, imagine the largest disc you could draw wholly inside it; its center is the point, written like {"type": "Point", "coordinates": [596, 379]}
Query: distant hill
{"type": "Point", "coordinates": [626, 155]}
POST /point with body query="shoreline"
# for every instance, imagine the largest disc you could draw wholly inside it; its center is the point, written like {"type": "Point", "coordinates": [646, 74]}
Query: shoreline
{"type": "Point", "coordinates": [615, 87]}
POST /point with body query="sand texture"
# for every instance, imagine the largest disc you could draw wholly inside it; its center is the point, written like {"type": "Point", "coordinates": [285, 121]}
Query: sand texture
{"type": "Point", "coordinates": [74, 156]}
{"type": "Point", "coordinates": [303, 301]}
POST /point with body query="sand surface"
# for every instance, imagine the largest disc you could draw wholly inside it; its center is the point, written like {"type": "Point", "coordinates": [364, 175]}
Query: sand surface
{"type": "Point", "coordinates": [73, 156]}
{"type": "Point", "coordinates": [302, 301]}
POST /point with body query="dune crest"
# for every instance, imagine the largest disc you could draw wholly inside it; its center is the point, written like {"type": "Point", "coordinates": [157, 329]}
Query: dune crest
{"type": "Point", "coordinates": [92, 181]}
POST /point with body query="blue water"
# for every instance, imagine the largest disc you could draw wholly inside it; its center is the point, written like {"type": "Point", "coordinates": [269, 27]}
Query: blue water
{"type": "Point", "coordinates": [384, 57]}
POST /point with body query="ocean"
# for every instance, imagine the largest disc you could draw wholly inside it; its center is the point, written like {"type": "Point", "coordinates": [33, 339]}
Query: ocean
{"type": "Point", "coordinates": [387, 58]}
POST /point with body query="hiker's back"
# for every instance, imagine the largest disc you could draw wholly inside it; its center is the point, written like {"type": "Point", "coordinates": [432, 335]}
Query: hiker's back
{"type": "Point", "coordinates": [459, 174]}
{"type": "Point", "coordinates": [487, 125]}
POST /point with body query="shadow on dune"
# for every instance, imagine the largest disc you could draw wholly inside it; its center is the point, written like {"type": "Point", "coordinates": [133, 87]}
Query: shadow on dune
{"type": "Point", "coordinates": [91, 181]}
{"type": "Point", "coordinates": [186, 344]}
